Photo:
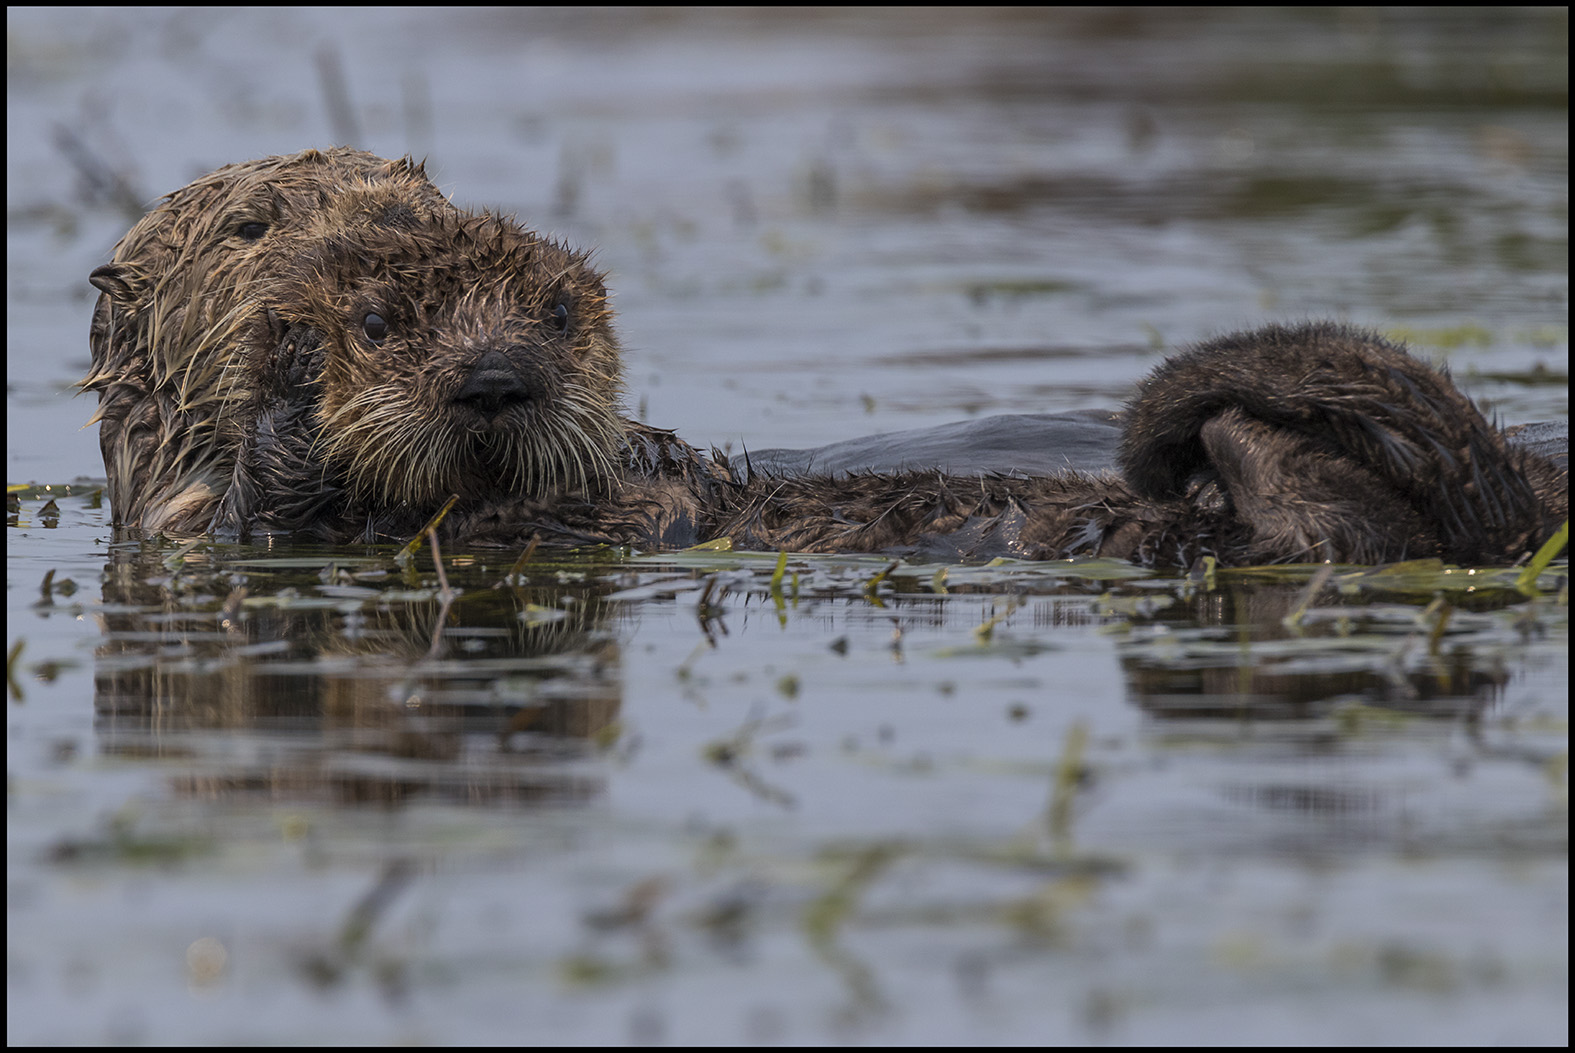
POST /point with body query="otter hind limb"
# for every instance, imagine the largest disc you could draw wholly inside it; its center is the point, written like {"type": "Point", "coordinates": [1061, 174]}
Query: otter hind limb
{"type": "Point", "coordinates": [1333, 443]}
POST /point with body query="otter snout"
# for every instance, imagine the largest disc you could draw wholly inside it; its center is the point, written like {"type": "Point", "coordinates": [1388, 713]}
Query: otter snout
{"type": "Point", "coordinates": [495, 384]}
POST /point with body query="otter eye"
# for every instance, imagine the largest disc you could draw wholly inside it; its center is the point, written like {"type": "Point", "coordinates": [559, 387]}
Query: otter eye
{"type": "Point", "coordinates": [561, 313]}
{"type": "Point", "coordinates": [252, 231]}
{"type": "Point", "coordinates": [374, 327]}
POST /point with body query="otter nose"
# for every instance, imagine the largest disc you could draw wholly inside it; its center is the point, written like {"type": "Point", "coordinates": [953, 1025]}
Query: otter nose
{"type": "Point", "coordinates": [494, 384]}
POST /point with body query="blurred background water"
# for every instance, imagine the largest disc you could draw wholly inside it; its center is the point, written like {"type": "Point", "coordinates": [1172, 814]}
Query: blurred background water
{"type": "Point", "coordinates": [817, 224]}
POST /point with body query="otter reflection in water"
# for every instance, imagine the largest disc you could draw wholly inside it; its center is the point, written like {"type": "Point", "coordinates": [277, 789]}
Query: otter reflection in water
{"type": "Point", "coordinates": [324, 345]}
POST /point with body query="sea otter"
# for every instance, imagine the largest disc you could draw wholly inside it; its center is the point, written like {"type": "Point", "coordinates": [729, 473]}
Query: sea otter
{"type": "Point", "coordinates": [323, 345]}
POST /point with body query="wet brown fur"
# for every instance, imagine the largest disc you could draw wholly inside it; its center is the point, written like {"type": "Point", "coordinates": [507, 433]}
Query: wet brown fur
{"type": "Point", "coordinates": [323, 345]}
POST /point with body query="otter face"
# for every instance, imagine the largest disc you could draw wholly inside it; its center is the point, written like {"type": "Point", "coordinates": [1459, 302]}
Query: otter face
{"type": "Point", "coordinates": [182, 314]}
{"type": "Point", "coordinates": [460, 354]}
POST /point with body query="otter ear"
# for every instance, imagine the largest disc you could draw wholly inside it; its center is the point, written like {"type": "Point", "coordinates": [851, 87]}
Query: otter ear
{"type": "Point", "coordinates": [121, 282]}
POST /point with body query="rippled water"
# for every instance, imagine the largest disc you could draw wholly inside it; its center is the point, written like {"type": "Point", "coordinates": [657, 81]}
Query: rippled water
{"type": "Point", "coordinates": [296, 795]}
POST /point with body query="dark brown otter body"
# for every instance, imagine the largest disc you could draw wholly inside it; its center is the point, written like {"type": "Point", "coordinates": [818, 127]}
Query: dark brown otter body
{"type": "Point", "coordinates": [324, 345]}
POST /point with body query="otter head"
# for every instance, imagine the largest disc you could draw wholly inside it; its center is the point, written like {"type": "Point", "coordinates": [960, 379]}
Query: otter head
{"type": "Point", "coordinates": [454, 353]}
{"type": "Point", "coordinates": [182, 312]}
{"type": "Point", "coordinates": [184, 281]}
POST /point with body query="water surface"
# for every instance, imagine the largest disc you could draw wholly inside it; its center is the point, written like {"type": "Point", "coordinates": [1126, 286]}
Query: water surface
{"type": "Point", "coordinates": [285, 794]}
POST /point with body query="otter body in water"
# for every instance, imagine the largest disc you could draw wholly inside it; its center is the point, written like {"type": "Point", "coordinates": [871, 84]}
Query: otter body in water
{"type": "Point", "coordinates": [324, 345]}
